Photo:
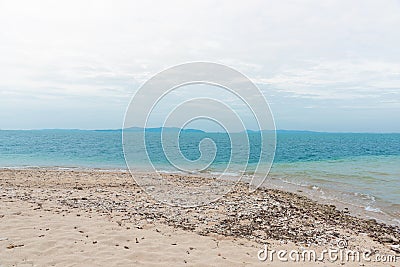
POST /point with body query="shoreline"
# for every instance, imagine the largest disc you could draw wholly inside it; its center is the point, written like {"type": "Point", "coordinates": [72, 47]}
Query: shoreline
{"type": "Point", "coordinates": [262, 217]}
{"type": "Point", "coordinates": [322, 196]}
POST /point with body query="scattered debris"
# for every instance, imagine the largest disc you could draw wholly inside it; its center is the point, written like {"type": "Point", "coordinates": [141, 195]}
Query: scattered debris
{"type": "Point", "coordinates": [11, 246]}
{"type": "Point", "coordinates": [261, 215]}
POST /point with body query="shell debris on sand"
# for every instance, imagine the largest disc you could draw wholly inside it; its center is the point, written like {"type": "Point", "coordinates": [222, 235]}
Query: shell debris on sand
{"type": "Point", "coordinates": [258, 216]}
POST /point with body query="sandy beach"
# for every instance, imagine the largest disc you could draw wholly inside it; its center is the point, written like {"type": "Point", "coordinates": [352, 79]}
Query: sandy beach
{"type": "Point", "coordinates": [99, 218]}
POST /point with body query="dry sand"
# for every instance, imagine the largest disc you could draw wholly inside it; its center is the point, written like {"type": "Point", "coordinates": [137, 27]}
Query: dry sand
{"type": "Point", "coordinates": [94, 218]}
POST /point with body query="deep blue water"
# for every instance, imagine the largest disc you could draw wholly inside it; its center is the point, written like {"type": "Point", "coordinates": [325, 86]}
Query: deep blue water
{"type": "Point", "coordinates": [362, 165]}
{"type": "Point", "coordinates": [103, 149]}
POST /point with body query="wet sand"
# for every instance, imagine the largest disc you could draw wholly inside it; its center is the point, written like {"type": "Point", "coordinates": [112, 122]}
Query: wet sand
{"type": "Point", "coordinates": [95, 218]}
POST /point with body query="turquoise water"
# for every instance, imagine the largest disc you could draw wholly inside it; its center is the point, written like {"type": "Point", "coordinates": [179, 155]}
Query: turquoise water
{"type": "Point", "coordinates": [362, 168]}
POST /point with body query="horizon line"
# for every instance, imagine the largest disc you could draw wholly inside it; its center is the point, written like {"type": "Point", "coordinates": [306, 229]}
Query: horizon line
{"type": "Point", "coordinates": [251, 130]}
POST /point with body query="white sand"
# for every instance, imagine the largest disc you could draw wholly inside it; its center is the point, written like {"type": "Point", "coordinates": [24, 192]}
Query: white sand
{"type": "Point", "coordinates": [54, 235]}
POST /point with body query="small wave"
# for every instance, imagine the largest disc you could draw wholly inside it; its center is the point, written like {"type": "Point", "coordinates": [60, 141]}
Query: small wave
{"type": "Point", "coordinates": [249, 173]}
{"type": "Point", "coordinates": [170, 172]}
{"type": "Point", "coordinates": [225, 173]}
{"type": "Point", "coordinates": [295, 183]}
{"type": "Point", "coordinates": [372, 209]}
{"type": "Point", "coordinates": [365, 196]}
{"type": "Point", "coordinates": [313, 187]}
{"type": "Point", "coordinates": [26, 167]}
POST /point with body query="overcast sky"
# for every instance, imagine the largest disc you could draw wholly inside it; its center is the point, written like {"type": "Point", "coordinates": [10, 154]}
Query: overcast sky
{"type": "Point", "coordinates": [322, 65]}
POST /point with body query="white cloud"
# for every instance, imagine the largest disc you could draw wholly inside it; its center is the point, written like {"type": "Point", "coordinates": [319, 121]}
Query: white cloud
{"type": "Point", "coordinates": [339, 80]}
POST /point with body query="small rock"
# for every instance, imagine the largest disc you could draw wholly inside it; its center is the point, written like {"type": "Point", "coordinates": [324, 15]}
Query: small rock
{"type": "Point", "coordinates": [388, 239]}
{"type": "Point", "coordinates": [11, 246]}
{"type": "Point", "coordinates": [395, 248]}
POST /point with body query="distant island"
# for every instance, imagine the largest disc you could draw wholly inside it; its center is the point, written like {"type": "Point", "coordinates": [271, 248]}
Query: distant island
{"type": "Point", "coordinates": [176, 129]}
{"type": "Point", "coordinates": [189, 130]}
{"type": "Point", "coordinates": [154, 130]}
{"type": "Point", "coordinates": [160, 129]}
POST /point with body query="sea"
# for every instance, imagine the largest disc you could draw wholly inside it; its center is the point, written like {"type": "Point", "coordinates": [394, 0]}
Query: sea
{"type": "Point", "coordinates": [356, 170]}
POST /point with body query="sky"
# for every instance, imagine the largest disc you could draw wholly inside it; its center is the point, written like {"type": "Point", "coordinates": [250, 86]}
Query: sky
{"type": "Point", "coordinates": [321, 65]}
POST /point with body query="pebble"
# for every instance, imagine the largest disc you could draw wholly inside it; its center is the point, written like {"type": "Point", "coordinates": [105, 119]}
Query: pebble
{"type": "Point", "coordinates": [11, 246]}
